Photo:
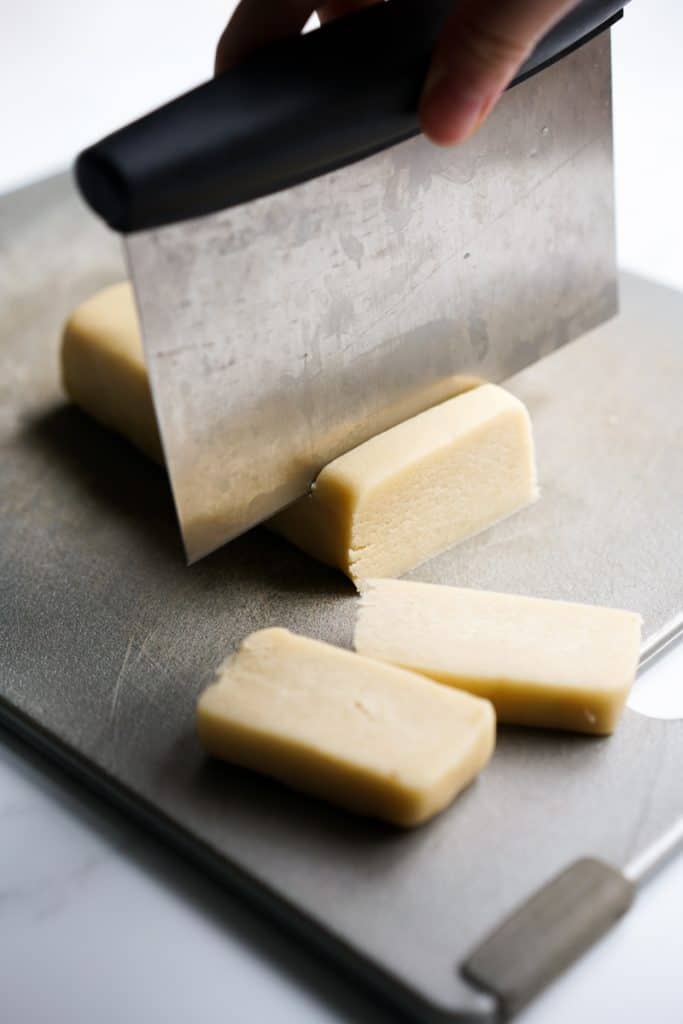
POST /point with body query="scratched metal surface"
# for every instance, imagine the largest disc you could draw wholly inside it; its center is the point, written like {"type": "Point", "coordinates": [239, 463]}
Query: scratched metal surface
{"type": "Point", "coordinates": [107, 637]}
{"type": "Point", "coordinates": [335, 309]}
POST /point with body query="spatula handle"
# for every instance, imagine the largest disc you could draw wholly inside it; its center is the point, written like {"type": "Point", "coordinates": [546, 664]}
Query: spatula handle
{"type": "Point", "coordinates": [297, 109]}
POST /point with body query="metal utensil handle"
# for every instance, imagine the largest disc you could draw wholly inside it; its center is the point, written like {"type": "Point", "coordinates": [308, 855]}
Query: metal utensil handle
{"type": "Point", "coordinates": [559, 922]}
{"type": "Point", "coordinates": [548, 932]}
{"type": "Point", "coordinates": [297, 109]}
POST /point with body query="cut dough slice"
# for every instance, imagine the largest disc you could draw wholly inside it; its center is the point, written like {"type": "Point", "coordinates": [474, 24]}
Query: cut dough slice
{"type": "Point", "coordinates": [103, 367]}
{"type": "Point", "coordinates": [367, 736]}
{"type": "Point", "coordinates": [541, 663]}
{"type": "Point", "coordinates": [419, 488]}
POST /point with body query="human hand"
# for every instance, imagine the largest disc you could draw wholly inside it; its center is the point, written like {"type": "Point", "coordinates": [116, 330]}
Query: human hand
{"type": "Point", "coordinates": [482, 45]}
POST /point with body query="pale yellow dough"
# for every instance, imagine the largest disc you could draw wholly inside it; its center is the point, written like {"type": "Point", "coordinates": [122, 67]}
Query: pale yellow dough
{"type": "Point", "coordinates": [372, 738]}
{"type": "Point", "coordinates": [103, 367]}
{"type": "Point", "coordinates": [541, 663]}
{"type": "Point", "coordinates": [379, 510]}
{"type": "Point", "coordinates": [417, 489]}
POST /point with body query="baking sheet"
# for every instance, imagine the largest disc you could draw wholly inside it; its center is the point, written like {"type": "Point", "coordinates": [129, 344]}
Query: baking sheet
{"type": "Point", "coordinates": [107, 637]}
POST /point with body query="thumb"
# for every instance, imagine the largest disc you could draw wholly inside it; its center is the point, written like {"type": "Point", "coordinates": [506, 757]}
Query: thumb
{"type": "Point", "coordinates": [255, 24]}
{"type": "Point", "coordinates": [482, 45]}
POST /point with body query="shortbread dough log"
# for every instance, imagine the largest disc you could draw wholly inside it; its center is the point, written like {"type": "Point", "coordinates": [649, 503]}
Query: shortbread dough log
{"type": "Point", "coordinates": [381, 509]}
{"type": "Point", "coordinates": [103, 367]}
{"type": "Point", "coordinates": [417, 489]}
{"type": "Point", "coordinates": [370, 737]}
{"type": "Point", "coordinates": [540, 662]}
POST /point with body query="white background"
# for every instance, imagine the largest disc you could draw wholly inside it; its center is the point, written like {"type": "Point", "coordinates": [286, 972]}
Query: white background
{"type": "Point", "coordinates": [97, 924]}
{"type": "Point", "coordinates": [72, 70]}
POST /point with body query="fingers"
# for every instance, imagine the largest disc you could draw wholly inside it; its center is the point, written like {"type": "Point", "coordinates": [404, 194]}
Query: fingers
{"type": "Point", "coordinates": [337, 8]}
{"type": "Point", "coordinates": [483, 44]}
{"type": "Point", "coordinates": [258, 22]}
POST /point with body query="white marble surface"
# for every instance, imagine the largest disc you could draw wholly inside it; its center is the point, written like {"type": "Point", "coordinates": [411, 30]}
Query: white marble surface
{"type": "Point", "coordinates": [98, 923]}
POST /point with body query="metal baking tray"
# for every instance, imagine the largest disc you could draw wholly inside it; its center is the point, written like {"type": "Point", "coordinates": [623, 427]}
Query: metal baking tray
{"type": "Point", "coordinates": [107, 636]}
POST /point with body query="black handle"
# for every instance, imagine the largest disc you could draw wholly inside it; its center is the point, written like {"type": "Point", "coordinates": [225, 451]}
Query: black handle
{"type": "Point", "coordinates": [296, 109]}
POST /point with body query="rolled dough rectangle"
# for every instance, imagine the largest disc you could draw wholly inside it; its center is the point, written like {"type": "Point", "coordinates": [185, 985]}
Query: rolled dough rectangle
{"type": "Point", "coordinates": [373, 738]}
{"type": "Point", "coordinates": [540, 662]}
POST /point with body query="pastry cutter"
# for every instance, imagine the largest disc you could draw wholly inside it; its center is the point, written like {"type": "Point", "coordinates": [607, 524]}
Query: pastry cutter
{"type": "Point", "coordinates": [309, 270]}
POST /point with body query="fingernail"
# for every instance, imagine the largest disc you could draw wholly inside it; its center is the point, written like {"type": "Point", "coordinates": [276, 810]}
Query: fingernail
{"type": "Point", "coordinates": [449, 110]}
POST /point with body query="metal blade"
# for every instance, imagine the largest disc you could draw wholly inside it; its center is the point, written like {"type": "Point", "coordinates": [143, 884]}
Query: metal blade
{"type": "Point", "coordinates": [283, 332]}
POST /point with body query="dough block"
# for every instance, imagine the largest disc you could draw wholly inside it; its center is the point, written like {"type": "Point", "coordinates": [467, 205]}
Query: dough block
{"type": "Point", "coordinates": [419, 488]}
{"type": "Point", "coordinates": [540, 662]}
{"type": "Point", "coordinates": [370, 737]}
{"type": "Point", "coordinates": [379, 510]}
{"type": "Point", "coordinates": [103, 367]}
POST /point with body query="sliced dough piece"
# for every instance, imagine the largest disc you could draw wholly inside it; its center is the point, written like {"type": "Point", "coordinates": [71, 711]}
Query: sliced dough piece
{"type": "Point", "coordinates": [103, 367]}
{"type": "Point", "coordinates": [370, 737]}
{"type": "Point", "coordinates": [541, 663]}
{"type": "Point", "coordinates": [417, 489]}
